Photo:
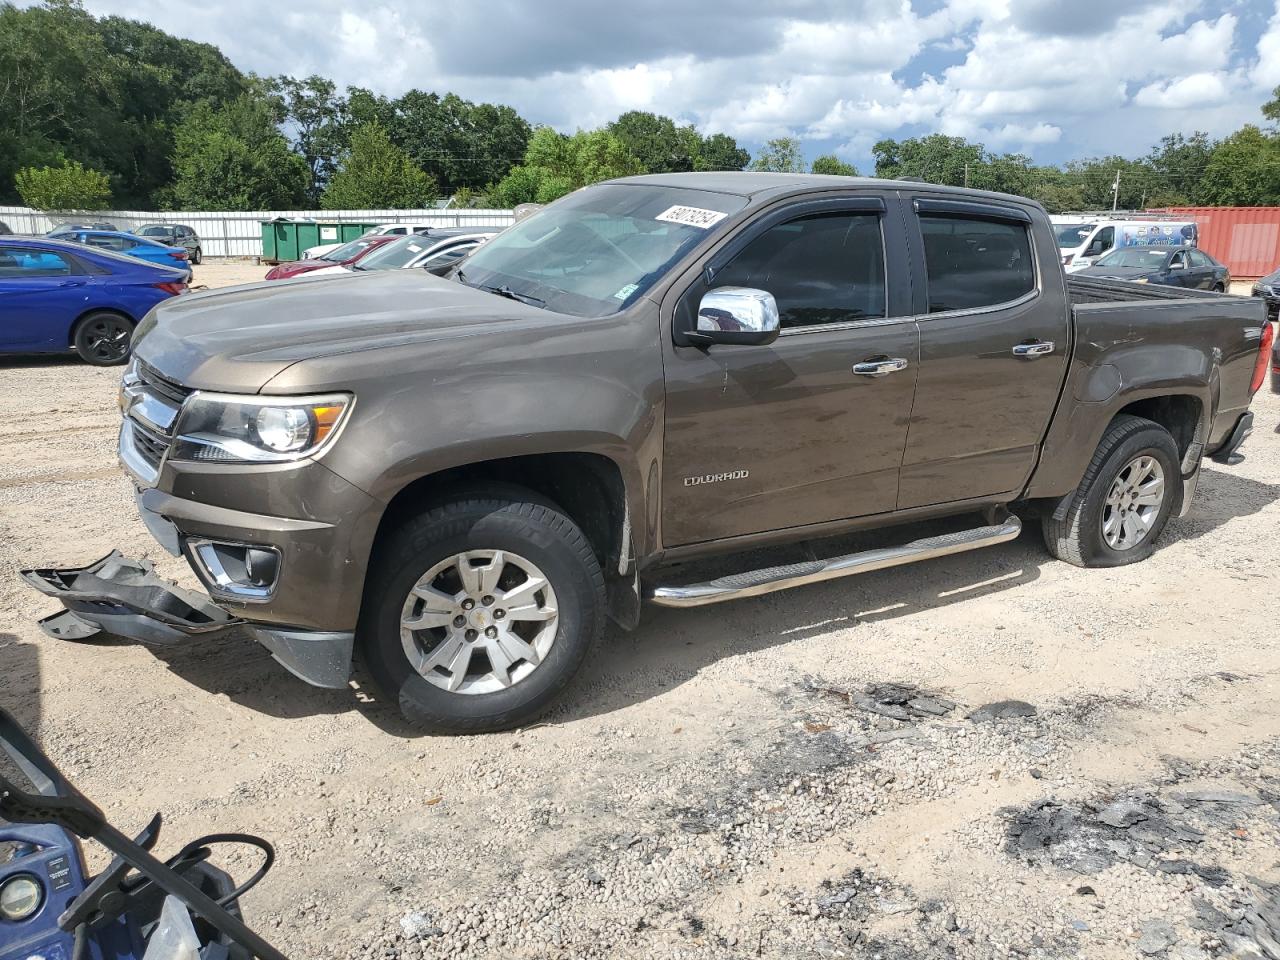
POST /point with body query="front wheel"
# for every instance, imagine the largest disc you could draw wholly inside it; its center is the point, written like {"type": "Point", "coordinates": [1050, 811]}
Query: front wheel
{"type": "Point", "coordinates": [1132, 486]}
{"type": "Point", "coordinates": [102, 339]}
{"type": "Point", "coordinates": [196, 255]}
{"type": "Point", "coordinates": [480, 612]}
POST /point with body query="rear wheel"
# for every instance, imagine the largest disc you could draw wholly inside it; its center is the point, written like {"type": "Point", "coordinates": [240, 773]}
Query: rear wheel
{"type": "Point", "coordinates": [480, 612]}
{"type": "Point", "coordinates": [1130, 489]}
{"type": "Point", "coordinates": [102, 338]}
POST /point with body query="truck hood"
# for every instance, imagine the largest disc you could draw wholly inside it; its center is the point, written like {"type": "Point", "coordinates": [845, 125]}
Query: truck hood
{"type": "Point", "coordinates": [239, 338]}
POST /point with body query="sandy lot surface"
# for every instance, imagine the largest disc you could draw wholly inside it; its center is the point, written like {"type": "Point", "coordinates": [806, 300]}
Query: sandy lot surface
{"type": "Point", "coordinates": [749, 780]}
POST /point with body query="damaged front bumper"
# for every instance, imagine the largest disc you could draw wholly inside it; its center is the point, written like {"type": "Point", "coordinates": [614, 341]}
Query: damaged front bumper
{"type": "Point", "coordinates": [125, 598]}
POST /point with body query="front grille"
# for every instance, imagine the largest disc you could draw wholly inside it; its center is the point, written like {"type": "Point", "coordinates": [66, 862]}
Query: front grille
{"type": "Point", "coordinates": [150, 446]}
{"type": "Point", "coordinates": [160, 384]}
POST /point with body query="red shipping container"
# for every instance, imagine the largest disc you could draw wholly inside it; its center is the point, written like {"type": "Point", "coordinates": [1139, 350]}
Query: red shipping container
{"type": "Point", "coordinates": [1246, 239]}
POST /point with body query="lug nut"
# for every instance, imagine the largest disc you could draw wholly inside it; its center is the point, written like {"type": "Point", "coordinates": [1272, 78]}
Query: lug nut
{"type": "Point", "coordinates": [468, 604]}
{"type": "Point", "coordinates": [471, 634]}
{"type": "Point", "coordinates": [487, 601]}
{"type": "Point", "coordinates": [499, 614]}
{"type": "Point", "coordinates": [491, 633]}
{"type": "Point", "coordinates": [459, 621]}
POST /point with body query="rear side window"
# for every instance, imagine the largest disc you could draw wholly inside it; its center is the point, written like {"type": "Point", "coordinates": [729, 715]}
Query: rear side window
{"type": "Point", "coordinates": [821, 269]}
{"type": "Point", "coordinates": [17, 263]}
{"type": "Point", "coordinates": [1199, 259]}
{"type": "Point", "coordinates": [975, 263]}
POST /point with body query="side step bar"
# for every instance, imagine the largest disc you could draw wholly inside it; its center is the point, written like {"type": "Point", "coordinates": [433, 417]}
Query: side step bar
{"type": "Point", "coordinates": [756, 582]}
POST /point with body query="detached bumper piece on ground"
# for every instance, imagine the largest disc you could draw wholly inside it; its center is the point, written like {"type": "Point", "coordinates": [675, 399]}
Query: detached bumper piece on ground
{"type": "Point", "coordinates": [125, 598]}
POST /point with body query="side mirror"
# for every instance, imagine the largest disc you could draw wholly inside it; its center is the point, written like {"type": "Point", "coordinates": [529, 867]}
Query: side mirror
{"type": "Point", "coordinates": [736, 315]}
{"type": "Point", "coordinates": [1177, 266]}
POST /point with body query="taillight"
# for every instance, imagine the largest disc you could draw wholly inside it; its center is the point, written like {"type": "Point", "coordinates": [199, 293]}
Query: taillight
{"type": "Point", "coordinates": [171, 287]}
{"type": "Point", "coordinates": [179, 255]}
{"type": "Point", "coordinates": [1264, 356]}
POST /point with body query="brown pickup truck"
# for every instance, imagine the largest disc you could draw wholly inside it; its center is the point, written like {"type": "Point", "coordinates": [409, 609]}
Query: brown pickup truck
{"type": "Point", "coordinates": [460, 479]}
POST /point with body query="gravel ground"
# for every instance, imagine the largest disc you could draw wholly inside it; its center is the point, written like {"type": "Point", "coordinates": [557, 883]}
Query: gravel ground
{"type": "Point", "coordinates": [801, 775]}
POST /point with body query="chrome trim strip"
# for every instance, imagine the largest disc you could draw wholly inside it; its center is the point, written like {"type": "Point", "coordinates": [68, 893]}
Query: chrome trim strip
{"type": "Point", "coordinates": [216, 577]}
{"type": "Point", "coordinates": [769, 580]}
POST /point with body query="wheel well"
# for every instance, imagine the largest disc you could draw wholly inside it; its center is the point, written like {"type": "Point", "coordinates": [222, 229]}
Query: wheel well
{"type": "Point", "coordinates": [588, 487]}
{"type": "Point", "coordinates": [1179, 414]}
{"type": "Point", "coordinates": [71, 334]}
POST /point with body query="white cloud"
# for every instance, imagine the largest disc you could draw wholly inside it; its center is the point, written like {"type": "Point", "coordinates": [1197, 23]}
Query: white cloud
{"type": "Point", "coordinates": [1197, 90]}
{"type": "Point", "coordinates": [1036, 75]}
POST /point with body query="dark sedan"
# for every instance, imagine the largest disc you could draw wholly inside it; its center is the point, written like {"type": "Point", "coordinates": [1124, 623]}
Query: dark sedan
{"type": "Point", "coordinates": [1168, 265]}
{"type": "Point", "coordinates": [1268, 288]}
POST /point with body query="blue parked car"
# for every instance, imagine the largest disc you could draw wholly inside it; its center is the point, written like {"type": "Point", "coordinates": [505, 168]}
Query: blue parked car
{"type": "Point", "coordinates": [153, 251]}
{"type": "Point", "coordinates": [56, 296]}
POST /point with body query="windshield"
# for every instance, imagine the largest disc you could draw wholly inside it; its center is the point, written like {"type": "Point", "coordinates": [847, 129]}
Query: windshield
{"type": "Point", "coordinates": [593, 252]}
{"type": "Point", "coordinates": [1133, 257]}
{"type": "Point", "coordinates": [155, 231]}
{"type": "Point", "coordinates": [396, 253]}
{"type": "Point", "coordinates": [345, 252]}
{"type": "Point", "coordinates": [1071, 235]}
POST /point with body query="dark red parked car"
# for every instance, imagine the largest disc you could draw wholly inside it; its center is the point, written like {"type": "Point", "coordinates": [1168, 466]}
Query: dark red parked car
{"type": "Point", "coordinates": [345, 254]}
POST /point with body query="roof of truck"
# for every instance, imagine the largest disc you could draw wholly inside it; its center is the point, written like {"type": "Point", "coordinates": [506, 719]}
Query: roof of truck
{"type": "Point", "coordinates": [751, 183]}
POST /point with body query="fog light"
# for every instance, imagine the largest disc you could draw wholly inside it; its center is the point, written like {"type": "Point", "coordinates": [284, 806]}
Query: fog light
{"type": "Point", "coordinates": [20, 898]}
{"type": "Point", "coordinates": [237, 570]}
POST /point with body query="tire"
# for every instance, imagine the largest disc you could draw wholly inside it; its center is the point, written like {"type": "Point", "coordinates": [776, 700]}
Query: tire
{"type": "Point", "coordinates": [102, 338]}
{"type": "Point", "coordinates": [196, 257]}
{"type": "Point", "coordinates": [1219, 288]}
{"type": "Point", "coordinates": [532, 535]}
{"type": "Point", "coordinates": [1129, 444]}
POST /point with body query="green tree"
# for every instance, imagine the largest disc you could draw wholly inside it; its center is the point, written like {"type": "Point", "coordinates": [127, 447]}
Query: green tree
{"type": "Point", "coordinates": [721, 152]}
{"type": "Point", "coordinates": [555, 164]}
{"type": "Point", "coordinates": [656, 141]}
{"type": "Point", "coordinates": [1244, 170]}
{"type": "Point", "coordinates": [104, 92]}
{"type": "Point", "coordinates": [315, 115]}
{"type": "Point", "coordinates": [1271, 109]}
{"type": "Point", "coordinates": [234, 157]}
{"type": "Point", "coordinates": [1180, 163]}
{"type": "Point", "coordinates": [458, 142]}
{"type": "Point", "coordinates": [936, 158]}
{"type": "Point", "coordinates": [781, 155]}
{"type": "Point", "coordinates": [375, 173]}
{"type": "Point", "coordinates": [832, 165]}
{"type": "Point", "coordinates": [66, 187]}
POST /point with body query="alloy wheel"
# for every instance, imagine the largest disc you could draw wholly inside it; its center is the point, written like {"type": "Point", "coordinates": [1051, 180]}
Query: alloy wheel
{"type": "Point", "coordinates": [479, 622]}
{"type": "Point", "coordinates": [1133, 504]}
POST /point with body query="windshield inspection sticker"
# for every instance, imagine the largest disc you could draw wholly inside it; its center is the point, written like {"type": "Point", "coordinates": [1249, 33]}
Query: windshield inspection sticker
{"type": "Point", "coordinates": [626, 291]}
{"type": "Point", "coordinates": [691, 216]}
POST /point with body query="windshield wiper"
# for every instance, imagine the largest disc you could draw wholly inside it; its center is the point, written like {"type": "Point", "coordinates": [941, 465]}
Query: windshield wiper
{"type": "Point", "coordinates": [505, 291]}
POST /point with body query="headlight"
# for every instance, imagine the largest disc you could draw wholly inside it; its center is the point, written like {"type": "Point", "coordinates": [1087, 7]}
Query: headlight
{"type": "Point", "coordinates": [226, 428]}
{"type": "Point", "coordinates": [20, 898]}
{"type": "Point", "coordinates": [1142, 280]}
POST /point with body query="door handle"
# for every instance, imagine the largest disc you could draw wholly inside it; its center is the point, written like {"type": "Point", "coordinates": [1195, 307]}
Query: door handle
{"type": "Point", "coordinates": [880, 368]}
{"type": "Point", "coordinates": [1032, 350]}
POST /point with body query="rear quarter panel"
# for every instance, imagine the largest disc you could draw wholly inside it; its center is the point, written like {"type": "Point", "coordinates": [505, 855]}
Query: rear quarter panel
{"type": "Point", "coordinates": [1200, 345]}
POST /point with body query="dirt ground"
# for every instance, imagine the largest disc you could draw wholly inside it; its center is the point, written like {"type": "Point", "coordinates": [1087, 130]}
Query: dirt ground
{"type": "Point", "coordinates": [798, 775]}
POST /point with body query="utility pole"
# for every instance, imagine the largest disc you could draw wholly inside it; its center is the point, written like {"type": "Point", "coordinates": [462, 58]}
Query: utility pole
{"type": "Point", "coordinates": [1115, 191]}
{"type": "Point", "coordinates": [966, 174]}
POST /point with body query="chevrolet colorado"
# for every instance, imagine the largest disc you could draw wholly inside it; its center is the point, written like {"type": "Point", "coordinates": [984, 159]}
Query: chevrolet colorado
{"type": "Point", "coordinates": [460, 479]}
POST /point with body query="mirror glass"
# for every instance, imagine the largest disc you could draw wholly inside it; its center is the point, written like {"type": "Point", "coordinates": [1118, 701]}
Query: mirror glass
{"type": "Point", "coordinates": [738, 310]}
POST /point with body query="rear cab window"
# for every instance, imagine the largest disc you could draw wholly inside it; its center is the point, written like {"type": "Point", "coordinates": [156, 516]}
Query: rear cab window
{"type": "Point", "coordinates": [974, 261]}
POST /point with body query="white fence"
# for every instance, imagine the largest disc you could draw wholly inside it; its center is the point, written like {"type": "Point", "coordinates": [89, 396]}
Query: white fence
{"type": "Point", "coordinates": [239, 234]}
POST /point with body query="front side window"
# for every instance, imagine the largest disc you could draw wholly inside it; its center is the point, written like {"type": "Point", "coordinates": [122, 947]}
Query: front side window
{"type": "Point", "coordinates": [1144, 257]}
{"type": "Point", "coordinates": [974, 262]}
{"type": "Point", "coordinates": [19, 263]}
{"type": "Point", "coordinates": [827, 268]}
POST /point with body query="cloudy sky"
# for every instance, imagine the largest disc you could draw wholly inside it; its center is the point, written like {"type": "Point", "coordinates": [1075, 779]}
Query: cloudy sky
{"type": "Point", "coordinates": [1054, 78]}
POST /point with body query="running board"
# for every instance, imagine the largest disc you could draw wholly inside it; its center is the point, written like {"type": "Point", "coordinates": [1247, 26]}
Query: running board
{"type": "Point", "coordinates": [753, 583]}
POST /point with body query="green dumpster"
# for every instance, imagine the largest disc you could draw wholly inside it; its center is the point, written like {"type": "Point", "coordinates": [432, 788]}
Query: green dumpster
{"type": "Point", "coordinates": [284, 239]}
